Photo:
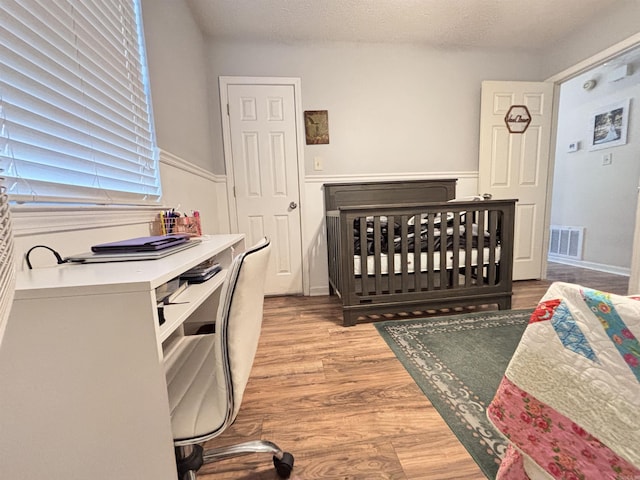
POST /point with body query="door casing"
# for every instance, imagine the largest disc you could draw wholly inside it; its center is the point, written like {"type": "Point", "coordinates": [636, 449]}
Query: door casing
{"type": "Point", "coordinates": [619, 48]}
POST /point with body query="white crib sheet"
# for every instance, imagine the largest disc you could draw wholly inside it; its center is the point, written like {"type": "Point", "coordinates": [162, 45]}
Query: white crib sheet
{"type": "Point", "coordinates": [423, 261]}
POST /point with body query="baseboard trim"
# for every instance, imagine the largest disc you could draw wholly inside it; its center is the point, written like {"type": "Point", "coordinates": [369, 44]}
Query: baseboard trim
{"type": "Point", "coordinates": [318, 291]}
{"type": "Point", "coordinates": [600, 267]}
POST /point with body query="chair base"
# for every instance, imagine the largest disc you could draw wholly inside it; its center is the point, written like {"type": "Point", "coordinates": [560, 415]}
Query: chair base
{"type": "Point", "coordinates": [191, 458]}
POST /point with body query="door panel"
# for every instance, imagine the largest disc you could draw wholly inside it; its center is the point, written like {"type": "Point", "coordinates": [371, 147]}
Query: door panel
{"type": "Point", "coordinates": [263, 128]}
{"type": "Point", "coordinates": [524, 250]}
{"type": "Point", "coordinates": [515, 165]}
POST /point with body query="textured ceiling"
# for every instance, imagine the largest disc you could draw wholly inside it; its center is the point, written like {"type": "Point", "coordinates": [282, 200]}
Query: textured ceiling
{"type": "Point", "coordinates": [495, 24]}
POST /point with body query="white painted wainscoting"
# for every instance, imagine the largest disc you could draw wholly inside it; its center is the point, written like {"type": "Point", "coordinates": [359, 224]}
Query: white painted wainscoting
{"type": "Point", "coordinates": [187, 187]}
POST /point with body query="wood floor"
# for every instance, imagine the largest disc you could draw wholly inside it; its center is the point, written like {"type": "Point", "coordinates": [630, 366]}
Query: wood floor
{"type": "Point", "coordinates": [339, 400]}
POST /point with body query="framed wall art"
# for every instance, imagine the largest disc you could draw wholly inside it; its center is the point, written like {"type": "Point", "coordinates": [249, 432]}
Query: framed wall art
{"type": "Point", "coordinates": [316, 125]}
{"type": "Point", "coordinates": [609, 126]}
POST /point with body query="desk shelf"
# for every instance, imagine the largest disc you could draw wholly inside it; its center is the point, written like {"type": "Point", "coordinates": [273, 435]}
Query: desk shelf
{"type": "Point", "coordinates": [194, 295]}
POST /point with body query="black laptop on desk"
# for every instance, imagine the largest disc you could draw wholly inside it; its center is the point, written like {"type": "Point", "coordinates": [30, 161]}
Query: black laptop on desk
{"type": "Point", "coordinates": [117, 255]}
{"type": "Point", "coordinates": [141, 244]}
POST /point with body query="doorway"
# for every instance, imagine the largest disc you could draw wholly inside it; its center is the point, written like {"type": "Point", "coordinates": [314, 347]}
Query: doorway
{"type": "Point", "coordinates": [595, 185]}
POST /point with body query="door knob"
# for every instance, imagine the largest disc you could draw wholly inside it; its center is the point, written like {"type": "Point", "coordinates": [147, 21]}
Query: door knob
{"type": "Point", "coordinates": [293, 205]}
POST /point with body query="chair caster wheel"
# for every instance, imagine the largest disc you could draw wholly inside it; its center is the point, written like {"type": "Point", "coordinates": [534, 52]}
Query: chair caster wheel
{"type": "Point", "coordinates": [284, 466]}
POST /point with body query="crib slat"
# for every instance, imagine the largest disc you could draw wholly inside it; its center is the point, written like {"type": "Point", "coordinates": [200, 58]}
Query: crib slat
{"type": "Point", "coordinates": [455, 253]}
{"type": "Point", "coordinates": [480, 262]}
{"type": "Point", "coordinates": [364, 273]}
{"type": "Point", "coordinates": [468, 248]}
{"type": "Point", "coordinates": [404, 253]}
{"type": "Point", "coordinates": [417, 247]}
{"type": "Point", "coordinates": [336, 253]}
{"type": "Point", "coordinates": [431, 220]}
{"type": "Point", "coordinates": [493, 234]}
{"type": "Point", "coordinates": [443, 250]}
{"type": "Point", "coordinates": [391, 254]}
{"type": "Point", "coordinates": [377, 252]}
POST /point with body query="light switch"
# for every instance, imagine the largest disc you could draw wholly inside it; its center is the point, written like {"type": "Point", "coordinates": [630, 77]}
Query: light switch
{"type": "Point", "coordinates": [607, 159]}
{"type": "Point", "coordinates": [318, 163]}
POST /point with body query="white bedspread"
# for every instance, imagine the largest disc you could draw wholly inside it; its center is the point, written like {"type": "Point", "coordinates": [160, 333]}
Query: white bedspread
{"type": "Point", "coordinates": [570, 399]}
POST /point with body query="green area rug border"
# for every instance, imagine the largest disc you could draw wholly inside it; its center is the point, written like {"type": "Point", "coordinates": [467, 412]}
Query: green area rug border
{"type": "Point", "coordinates": [460, 407]}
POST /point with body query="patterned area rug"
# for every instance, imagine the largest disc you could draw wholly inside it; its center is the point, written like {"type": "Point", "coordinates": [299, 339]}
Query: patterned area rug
{"type": "Point", "coordinates": [458, 362]}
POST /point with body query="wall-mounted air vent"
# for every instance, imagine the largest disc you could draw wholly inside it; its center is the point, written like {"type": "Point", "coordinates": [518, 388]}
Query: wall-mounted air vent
{"type": "Point", "coordinates": [566, 242]}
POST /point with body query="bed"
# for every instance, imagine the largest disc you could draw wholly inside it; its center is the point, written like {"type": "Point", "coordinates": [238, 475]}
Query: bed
{"type": "Point", "coordinates": [569, 401]}
{"type": "Point", "coordinates": [405, 246]}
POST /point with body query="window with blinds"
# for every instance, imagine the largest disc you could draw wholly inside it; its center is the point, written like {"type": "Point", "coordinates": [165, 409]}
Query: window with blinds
{"type": "Point", "coordinates": [75, 111]}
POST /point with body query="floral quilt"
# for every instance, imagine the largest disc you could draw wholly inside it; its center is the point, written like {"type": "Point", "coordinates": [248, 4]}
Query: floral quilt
{"type": "Point", "coordinates": [569, 402]}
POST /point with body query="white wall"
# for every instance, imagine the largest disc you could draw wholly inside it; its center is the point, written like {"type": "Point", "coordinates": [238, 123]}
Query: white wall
{"type": "Point", "coordinates": [392, 108]}
{"type": "Point", "coordinates": [620, 21]}
{"type": "Point", "coordinates": [586, 192]}
{"type": "Point", "coordinates": [179, 84]}
{"type": "Point", "coordinates": [380, 97]}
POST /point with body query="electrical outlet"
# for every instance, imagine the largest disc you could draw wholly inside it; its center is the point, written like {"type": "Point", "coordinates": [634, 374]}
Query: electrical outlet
{"type": "Point", "coordinates": [607, 159]}
{"type": "Point", "coordinates": [317, 163]}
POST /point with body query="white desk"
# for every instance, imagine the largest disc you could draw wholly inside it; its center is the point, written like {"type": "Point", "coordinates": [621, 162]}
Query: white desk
{"type": "Point", "coordinates": [82, 384]}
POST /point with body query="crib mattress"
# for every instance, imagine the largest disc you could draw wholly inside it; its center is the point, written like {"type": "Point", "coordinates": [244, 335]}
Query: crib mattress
{"type": "Point", "coordinates": [423, 261]}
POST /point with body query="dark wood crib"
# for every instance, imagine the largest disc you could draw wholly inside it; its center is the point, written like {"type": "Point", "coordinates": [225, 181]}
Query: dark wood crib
{"type": "Point", "coordinates": [408, 246]}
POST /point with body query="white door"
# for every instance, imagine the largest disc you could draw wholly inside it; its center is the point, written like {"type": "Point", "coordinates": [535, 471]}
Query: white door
{"type": "Point", "coordinates": [516, 165]}
{"type": "Point", "coordinates": [264, 157]}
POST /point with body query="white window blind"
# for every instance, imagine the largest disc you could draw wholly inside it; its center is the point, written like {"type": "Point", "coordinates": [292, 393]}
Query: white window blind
{"type": "Point", "coordinates": [75, 114]}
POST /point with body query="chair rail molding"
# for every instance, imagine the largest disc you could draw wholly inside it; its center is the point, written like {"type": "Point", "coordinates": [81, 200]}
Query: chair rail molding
{"type": "Point", "coordinates": [175, 161]}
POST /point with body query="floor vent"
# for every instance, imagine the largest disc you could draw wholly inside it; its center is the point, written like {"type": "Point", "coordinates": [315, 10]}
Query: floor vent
{"type": "Point", "coordinates": [566, 241]}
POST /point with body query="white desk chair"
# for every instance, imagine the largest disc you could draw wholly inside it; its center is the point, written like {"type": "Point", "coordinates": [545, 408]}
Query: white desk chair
{"type": "Point", "coordinates": [207, 374]}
